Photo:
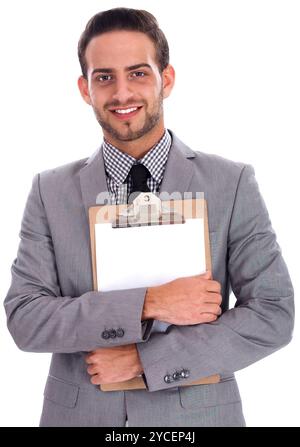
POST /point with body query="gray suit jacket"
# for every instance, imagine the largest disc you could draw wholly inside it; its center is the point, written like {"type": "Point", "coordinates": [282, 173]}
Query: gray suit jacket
{"type": "Point", "coordinates": [51, 307]}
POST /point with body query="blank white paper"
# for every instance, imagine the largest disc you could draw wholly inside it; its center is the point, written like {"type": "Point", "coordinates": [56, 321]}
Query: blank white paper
{"type": "Point", "coordinates": [146, 256]}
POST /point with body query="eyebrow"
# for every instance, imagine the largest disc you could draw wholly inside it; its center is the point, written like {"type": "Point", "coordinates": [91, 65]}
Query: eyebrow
{"type": "Point", "coordinates": [111, 70]}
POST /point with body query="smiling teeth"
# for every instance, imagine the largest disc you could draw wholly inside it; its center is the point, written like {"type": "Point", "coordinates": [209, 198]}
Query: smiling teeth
{"type": "Point", "coordinates": [126, 110]}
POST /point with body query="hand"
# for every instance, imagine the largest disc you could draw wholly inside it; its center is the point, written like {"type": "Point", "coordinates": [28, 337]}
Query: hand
{"type": "Point", "coordinates": [116, 364]}
{"type": "Point", "coordinates": [184, 301]}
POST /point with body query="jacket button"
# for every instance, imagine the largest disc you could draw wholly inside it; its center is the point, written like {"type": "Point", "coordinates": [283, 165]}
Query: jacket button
{"type": "Point", "coordinates": [168, 378]}
{"type": "Point", "coordinates": [186, 373]}
{"type": "Point", "coordinates": [112, 333]}
{"type": "Point", "coordinates": [105, 335]}
{"type": "Point", "coordinates": [176, 375]}
{"type": "Point", "coordinates": [120, 332]}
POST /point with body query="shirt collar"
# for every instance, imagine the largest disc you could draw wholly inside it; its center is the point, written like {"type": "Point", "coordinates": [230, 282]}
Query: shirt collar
{"type": "Point", "coordinates": [118, 163]}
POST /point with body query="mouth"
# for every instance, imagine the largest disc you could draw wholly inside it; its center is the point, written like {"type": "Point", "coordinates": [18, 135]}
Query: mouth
{"type": "Point", "coordinates": [124, 114]}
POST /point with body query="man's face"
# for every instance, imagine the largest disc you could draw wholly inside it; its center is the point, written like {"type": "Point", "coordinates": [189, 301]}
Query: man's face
{"type": "Point", "coordinates": [124, 85]}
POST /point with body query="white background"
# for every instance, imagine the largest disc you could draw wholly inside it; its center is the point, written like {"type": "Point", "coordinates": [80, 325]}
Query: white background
{"type": "Point", "coordinates": [237, 94]}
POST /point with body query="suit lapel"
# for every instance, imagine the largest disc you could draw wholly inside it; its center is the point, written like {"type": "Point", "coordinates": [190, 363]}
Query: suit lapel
{"type": "Point", "coordinates": [179, 169]}
{"type": "Point", "coordinates": [93, 181]}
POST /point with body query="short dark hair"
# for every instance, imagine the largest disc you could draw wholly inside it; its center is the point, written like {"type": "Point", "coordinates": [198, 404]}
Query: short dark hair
{"type": "Point", "coordinates": [124, 19]}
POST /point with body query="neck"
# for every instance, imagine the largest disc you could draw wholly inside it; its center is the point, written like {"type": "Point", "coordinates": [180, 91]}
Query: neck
{"type": "Point", "coordinates": [139, 147]}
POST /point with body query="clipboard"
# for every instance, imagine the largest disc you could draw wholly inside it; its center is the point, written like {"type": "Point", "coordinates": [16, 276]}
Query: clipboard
{"type": "Point", "coordinates": [146, 216]}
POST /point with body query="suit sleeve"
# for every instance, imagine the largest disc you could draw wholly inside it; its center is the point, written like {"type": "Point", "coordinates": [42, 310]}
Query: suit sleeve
{"type": "Point", "coordinates": [41, 320]}
{"type": "Point", "coordinates": [262, 320]}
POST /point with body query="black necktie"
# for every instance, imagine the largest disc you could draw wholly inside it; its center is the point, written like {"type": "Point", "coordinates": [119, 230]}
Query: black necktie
{"type": "Point", "coordinates": [139, 174]}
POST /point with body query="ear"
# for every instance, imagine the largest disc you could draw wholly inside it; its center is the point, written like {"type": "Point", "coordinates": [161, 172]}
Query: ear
{"type": "Point", "coordinates": [84, 89]}
{"type": "Point", "coordinates": [168, 77]}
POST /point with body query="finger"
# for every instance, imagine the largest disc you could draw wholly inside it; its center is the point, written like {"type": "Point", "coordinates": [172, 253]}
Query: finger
{"type": "Point", "coordinates": [206, 275]}
{"type": "Point", "coordinates": [211, 308]}
{"type": "Point", "coordinates": [92, 369]}
{"type": "Point", "coordinates": [208, 317]}
{"type": "Point", "coordinates": [213, 286]}
{"type": "Point", "coordinates": [95, 380]}
{"type": "Point", "coordinates": [214, 298]}
{"type": "Point", "coordinates": [88, 359]}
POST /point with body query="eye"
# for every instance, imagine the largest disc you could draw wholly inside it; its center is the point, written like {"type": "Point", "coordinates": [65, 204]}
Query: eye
{"type": "Point", "coordinates": [103, 78]}
{"type": "Point", "coordinates": [139, 74]}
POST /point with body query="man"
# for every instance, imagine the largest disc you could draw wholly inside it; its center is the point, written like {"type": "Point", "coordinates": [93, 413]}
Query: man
{"type": "Point", "coordinates": [104, 337]}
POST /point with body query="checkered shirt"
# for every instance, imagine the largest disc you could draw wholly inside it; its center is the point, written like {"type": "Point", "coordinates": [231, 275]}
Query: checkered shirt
{"type": "Point", "coordinates": [118, 164]}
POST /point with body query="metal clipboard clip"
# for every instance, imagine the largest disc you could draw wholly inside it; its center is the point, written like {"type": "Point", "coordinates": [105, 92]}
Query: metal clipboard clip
{"type": "Point", "coordinates": [147, 209]}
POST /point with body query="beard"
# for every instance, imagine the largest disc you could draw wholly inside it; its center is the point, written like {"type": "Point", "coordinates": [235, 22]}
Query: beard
{"type": "Point", "coordinates": [151, 119]}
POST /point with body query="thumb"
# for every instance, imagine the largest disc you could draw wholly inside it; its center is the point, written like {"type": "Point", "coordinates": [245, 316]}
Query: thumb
{"type": "Point", "coordinates": [206, 275]}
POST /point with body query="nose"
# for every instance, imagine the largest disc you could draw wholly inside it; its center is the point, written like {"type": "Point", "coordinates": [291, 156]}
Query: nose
{"type": "Point", "coordinates": [123, 93]}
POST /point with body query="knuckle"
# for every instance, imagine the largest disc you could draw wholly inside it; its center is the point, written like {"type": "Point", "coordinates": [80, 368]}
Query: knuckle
{"type": "Point", "coordinates": [90, 370]}
{"type": "Point", "coordinates": [214, 308]}
{"type": "Point", "coordinates": [209, 317]}
{"type": "Point", "coordinates": [217, 285]}
{"type": "Point", "coordinates": [217, 308]}
{"type": "Point", "coordinates": [96, 379]}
